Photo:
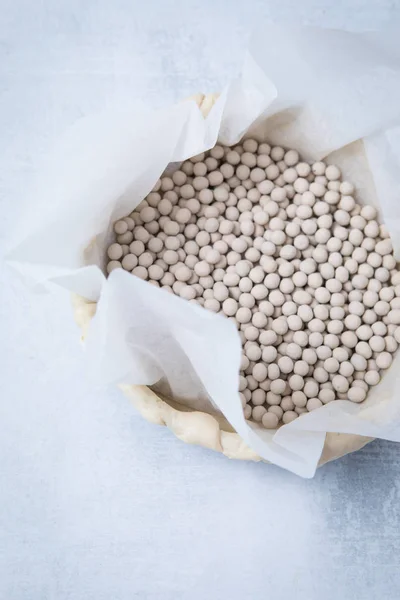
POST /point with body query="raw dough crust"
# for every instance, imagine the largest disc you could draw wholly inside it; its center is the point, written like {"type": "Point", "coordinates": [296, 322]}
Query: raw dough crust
{"type": "Point", "coordinates": [194, 427]}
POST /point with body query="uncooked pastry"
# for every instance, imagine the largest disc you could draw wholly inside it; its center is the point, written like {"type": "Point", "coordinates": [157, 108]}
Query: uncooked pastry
{"type": "Point", "coordinates": [195, 427]}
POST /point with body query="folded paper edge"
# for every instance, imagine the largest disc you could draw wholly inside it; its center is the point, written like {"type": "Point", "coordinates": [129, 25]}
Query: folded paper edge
{"type": "Point", "coordinates": [200, 428]}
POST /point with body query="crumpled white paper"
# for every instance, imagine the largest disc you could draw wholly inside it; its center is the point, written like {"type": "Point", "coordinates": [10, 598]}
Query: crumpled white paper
{"type": "Point", "coordinates": [319, 91]}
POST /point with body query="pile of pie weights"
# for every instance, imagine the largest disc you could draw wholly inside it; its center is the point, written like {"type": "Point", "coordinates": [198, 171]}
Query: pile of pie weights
{"type": "Point", "coordinates": [282, 248]}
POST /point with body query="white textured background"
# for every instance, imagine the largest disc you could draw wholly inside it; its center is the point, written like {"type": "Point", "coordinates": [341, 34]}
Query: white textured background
{"type": "Point", "coordinates": [94, 502]}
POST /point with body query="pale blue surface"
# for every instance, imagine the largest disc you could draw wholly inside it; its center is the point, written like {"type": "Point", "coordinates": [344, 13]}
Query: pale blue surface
{"type": "Point", "coordinates": [95, 503]}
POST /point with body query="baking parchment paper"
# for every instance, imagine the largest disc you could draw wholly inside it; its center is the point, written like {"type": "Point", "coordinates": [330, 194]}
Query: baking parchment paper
{"type": "Point", "coordinates": [330, 94]}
